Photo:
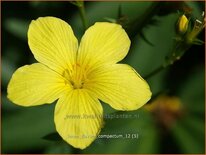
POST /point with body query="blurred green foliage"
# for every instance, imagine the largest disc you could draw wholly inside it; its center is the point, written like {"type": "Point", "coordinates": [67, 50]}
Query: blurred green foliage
{"type": "Point", "coordinates": [23, 128]}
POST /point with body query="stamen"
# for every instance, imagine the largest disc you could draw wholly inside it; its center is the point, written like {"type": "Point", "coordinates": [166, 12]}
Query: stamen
{"type": "Point", "coordinates": [76, 77]}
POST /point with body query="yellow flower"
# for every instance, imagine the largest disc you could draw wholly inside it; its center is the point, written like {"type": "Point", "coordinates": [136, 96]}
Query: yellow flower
{"type": "Point", "coordinates": [183, 24]}
{"type": "Point", "coordinates": [78, 77]}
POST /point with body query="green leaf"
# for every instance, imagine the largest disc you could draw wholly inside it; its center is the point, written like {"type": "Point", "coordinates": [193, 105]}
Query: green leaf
{"type": "Point", "coordinates": [145, 39]}
{"type": "Point", "coordinates": [26, 127]}
{"type": "Point", "coordinates": [192, 92]}
{"type": "Point", "coordinates": [17, 27]}
{"type": "Point", "coordinates": [189, 130]}
{"type": "Point", "coordinates": [188, 142]}
{"type": "Point", "coordinates": [77, 3]}
{"type": "Point", "coordinates": [7, 70]}
{"type": "Point", "coordinates": [58, 147]}
{"type": "Point", "coordinates": [198, 42]}
{"type": "Point", "coordinates": [54, 136]}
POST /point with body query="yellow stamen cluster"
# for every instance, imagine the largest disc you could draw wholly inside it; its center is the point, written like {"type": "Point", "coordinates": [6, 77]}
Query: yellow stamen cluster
{"type": "Point", "coordinates": [76, 76]}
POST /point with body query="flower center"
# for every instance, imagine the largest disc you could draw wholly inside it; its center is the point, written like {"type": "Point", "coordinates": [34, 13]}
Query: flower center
{"type": "Point", "coordinates": [76, 76]}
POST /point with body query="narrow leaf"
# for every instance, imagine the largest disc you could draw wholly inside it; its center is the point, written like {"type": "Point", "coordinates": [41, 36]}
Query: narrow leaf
{"type": "Point", "coordinates": [52, 137]}
{"type": "Point", "coordinates": [145, 39]}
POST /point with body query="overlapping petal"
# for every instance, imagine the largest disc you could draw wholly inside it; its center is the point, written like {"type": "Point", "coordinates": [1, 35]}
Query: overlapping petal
{"type": "Point", "coordinates": [103, 43]}
{"type": "Point", "coordinates": [78, 118]}
{"type": "Point", "coordinates": [36, 84]}
{"type": "Point", "coordinates": [120, 86]}
{"type": "Point", "coordinates": [53, 43]}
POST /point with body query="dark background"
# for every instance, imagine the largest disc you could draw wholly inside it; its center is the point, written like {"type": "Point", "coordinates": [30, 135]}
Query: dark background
{"type": "Point", "coordinates": [23, 129]}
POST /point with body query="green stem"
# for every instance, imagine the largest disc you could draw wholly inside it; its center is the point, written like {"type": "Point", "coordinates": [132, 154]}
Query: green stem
{"type": "Point", "coordinates": [138, 24]}
{"type": "Point", "coordinates": [83, 16]}
{"type": "Point", "coordinates": [178, 52]}
{"type": "Point", "coordinates": [180, 47]}
{"type": "Point", "coordinates": [154, 72]}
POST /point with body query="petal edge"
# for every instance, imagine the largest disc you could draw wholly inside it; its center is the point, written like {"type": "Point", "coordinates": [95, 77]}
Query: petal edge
{"type": "Point", "coordinates": [53, 43]}
{"type": "Point", "coordinates": [103, 43]}
{"type": "Point", "coordinates": [35, 84]}
{"type": "Point", "coordinates": [78, 118]}
{"type": "Point", "coordinates": [120, 86]}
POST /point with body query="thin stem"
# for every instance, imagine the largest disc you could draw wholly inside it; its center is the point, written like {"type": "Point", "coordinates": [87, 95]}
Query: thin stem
{"type": "Point", "coordinates": [173, 58]}
{"type": "Point", "coordinates": [138, 24]}
{"type": "Point", "coordinates": [157, 70]}
{"type": "Point", "coordinates": [83, 16]}
{"type": "Point", "coordinates": [180, 47]}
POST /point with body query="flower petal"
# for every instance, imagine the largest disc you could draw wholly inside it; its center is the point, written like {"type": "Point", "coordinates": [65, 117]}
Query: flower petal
{"type": "Point", "coordinates": [35, 84]}
{"type": "Point", "coordinates": [78, 118]}
{"type": "Point", "coordinates": [103, 43]}
{"type": "Point", "coordinates": [120, 86]}
{"type": "Point", "coordinates": [53, 43]}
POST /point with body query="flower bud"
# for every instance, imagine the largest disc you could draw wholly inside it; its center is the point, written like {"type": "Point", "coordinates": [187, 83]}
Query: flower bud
{"type": "Point", "coordinates": [182, 24]}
